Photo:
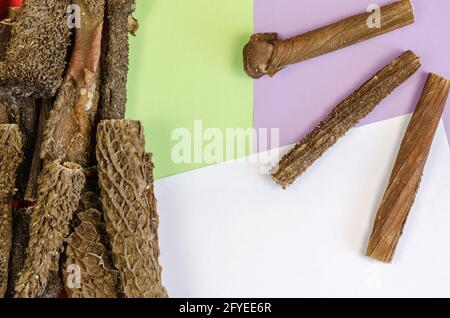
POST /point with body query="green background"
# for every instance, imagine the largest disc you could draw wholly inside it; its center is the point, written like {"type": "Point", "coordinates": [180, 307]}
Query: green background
{"type": "Point", "coordinates": [186, 65]}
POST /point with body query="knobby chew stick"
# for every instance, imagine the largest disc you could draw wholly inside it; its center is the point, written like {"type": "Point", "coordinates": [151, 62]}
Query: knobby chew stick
{"type": "Point", "coordinates": [346, 115]}
{"type": "Point", "coordinates": [87, 254]}
{"type": "Point", "coordinates": [59, 191]}
{"type": "Point", "coordinates": [266, 54]}
{"type": "Point", "coordinates": [10, 159]}
{"type": "Point", "coordinates": [125, 195]}
{"type": "Point", "coordinates": [115, 70]}
{"type": "Point", "coordinates": [68, 133]}
{"type": "Point", "coordinates": [36, 55]}
{"type": "Point", "coordinates": [408, 169]}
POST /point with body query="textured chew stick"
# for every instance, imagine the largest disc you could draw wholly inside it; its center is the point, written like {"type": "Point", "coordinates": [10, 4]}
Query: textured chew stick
{"type": "Point", "coordinates": [10, 159]}
{"type": "Point", "coordinates": [59, 191]}
{"type": "Point", "coordinates": [115, 69]}
{"type": "Point", "coordinates": [36, 55]}
{"type": "Point", "coordinates": [88, 257]}
{"type": "Point", "coordinates": [346, 115]}
{"type": "Point", "coordinates": [408, 169]}
{"type": "Point", "coordinates": [265, 54]}
{"type": "Point", "coordinates": [68, 133]}
{"type": "Point", "coordinates": [125, 193]}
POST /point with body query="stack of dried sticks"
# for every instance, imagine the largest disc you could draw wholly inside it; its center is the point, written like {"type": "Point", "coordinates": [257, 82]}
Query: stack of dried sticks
{"type": "Point", "coordinates": [77, 207]}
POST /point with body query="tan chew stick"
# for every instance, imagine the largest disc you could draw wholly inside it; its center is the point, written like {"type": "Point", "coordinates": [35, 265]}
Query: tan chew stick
{"type": "Point", "coordinates": [128, 204]}
{"type": "Point", "coordinates": [70, 126]}
{"type": "Point", "coordinates": [10, 158]}
{"type": "Point", "coordinates": [346, 115]}
{"type": "Point", "coordinates": [266, 54]}
{"type": "Point", "coordinates": [59, 192]}
{"type": "Point", "coordinates": [408, 169]}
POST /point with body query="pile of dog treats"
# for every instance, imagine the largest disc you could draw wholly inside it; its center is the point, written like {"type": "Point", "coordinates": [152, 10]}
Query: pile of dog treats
{"type": "Point", "coordinates": [77, 206]}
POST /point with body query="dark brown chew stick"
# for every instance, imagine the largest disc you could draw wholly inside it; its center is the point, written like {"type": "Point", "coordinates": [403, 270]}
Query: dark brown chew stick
{"type": "Point", "coordinates": [265, 54]}
{"type": "Point", "coordinates": [69, 128]}
{"type": "Point", "coordinates": [10, 159]}
{"type": "Point", "coordinates": [36, 55]}
{"type": "Point", "coordinates": [346, 115]}
{"type": "Point", "coordinates": [115, 70]}
{"type": "Point", "coordinates": [88, 258]}
{"type": "Point", "coordinates": [408, 169]}
{"type": "Point", "coordinates": [59, 191]}
{"type": "Point", "coordinates": [125, 195]}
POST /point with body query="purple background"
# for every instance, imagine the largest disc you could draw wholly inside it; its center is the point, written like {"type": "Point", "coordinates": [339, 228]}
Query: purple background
{"type": "Point", "coordinates": [299, 97]}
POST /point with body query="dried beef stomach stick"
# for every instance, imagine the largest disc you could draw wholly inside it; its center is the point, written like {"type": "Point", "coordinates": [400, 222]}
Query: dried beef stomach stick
{"type": "Point", "coordinates": [115, 68]}
{"type": "Point", "coordinates": [10, 158]}
{"type": "Point", "coordinates": [266, 54]}
{"type": "Point", "coordinates": [344, 116]}
{"type": "Point", "coordinates": [70, 125]}
{"type": "Point", "coordinates": [59, 191]}
{"type": "Point", "coordinates": [408, 170]}
{"type": "Point", "coordinates": [128, 204]}
{"type": "Point", "coordinates": [36, 56]}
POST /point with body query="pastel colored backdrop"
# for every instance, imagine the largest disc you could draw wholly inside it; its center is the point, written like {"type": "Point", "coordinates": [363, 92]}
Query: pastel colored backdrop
{"type": "Point", "coordinates": [186, 64]}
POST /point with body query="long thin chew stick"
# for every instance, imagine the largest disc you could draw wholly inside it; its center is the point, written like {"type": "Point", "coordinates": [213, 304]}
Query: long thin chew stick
{"type": "Point", "coordinates": [265, 54]}
{"type": "Point", "coordinates": [69, 128]}
{"type": "Point", "coordinates": [10, 159]}
{"type": "Point", "coordinates": [114, 88]}
{"type": "Point", "coordinates": [408, 169]}
{"type": "Point", "coordinates": [88, 256]}
{"type": "Point", "coordinates": [125, 195]}
{"type": "Point", "coordinates": [346, 115]}
{"type": "Point", "coordinates": [36, 55]}
{"type": "Point", "coordinates": [59, 191]}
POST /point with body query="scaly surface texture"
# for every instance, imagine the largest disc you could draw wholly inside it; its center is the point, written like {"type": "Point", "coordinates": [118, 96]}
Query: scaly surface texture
{"type": "Point", "coordinates": [87, 253]}
{"type": "Point", "coordinates": [59, 191]}
{"type": "Point", "coordinates": [69, 129]}
{"type": "Point", "coordinates": [115, 68]}
{"type": "Point", "coordinates": [10, 159]}
{"type": "Point", "coordinates": [265, 54]}
{"type": "Point", "coordinates": [36, 55]}
{"type": "Point", "coordinates": [346, 115]}
{"type": "Point", "coordinates": [408, 169]}
{"type": "Point", "coordinates": [125, 193]}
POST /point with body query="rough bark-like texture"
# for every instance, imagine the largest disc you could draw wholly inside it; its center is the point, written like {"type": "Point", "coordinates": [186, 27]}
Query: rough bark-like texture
{"type": "Point", "coordinates": [10, 159]}
{"type": "Point", "coordinates": [408, 169]}
{"type": "Point", "coordinates": [87, 252]}
{"type": "Point", "coordinates": [21, 224]}
{"type": "Point", "coordinates": [59, 191]}
{"type": "Point", "coordinates": [21, 111]}
{"type": "Point", "coordinates": [30, 193]}
{"type": "Point", "coordinates": [5, 33]}
{"type": "Point", "coordinates": [115, 69]}
{"type": "Point", "coordinates": [125, 194]}
{"type": "Point", "coordinates": [36, 55]}
{"type": "Point", "coordinates": [265, 54]}
{"type": "Point", "coordinates": [69, 129]}
{"type": "Point", "coordinates": [346, 115]}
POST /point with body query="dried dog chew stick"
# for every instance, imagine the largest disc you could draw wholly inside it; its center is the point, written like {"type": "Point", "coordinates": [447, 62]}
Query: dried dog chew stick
{"type": "Point", "coordinates": [265, 54]}
{"type": "Point", "coordinates": [408, 169]}
{"type": "Point", "coordinates": [36, 56]}
{"type": "Point", "coordinates": [346, 115]}
{"type": "Point", "coordinates": [68, 133]}
{"type": "Point", "coordinates": [88, 271]}
{"type": "Point", "coordinates": [10, 159]}
{"type": "Point", "coordinates": [59, 191]}
{"type": "Point", "coordinates": [36, 162]}
{"type": "Point", "coordinates": [115, 68]}
{"type": "Point", "coordinates": [124, 184]}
